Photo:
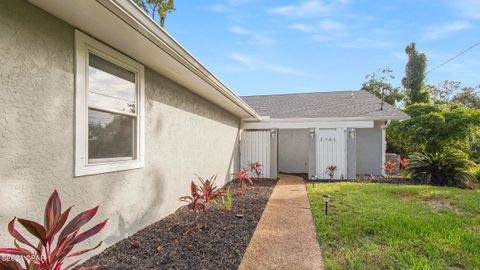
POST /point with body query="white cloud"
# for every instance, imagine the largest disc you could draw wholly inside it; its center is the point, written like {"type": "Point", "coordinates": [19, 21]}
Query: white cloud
{"type": "Point", "coordinates": [285, 70]}
{"type": "Point", "coordinates": [219, 8]}
{"type": "Point", "coordinates": [254, 38]}
{"type": "Point", "coordinates": [366, 42]}
{"type": "Point", "coordinates": [329, 25]}
{"type": "Point", "coordinates": [308, 8]}
{"type": "Point", "coordinates": [440, 31]}
{"type": "Point", "coordinates": [249, 63]}
{"type": "Point", "coordinates": [468, 8]}
{"type": "Point", "coordinates": [239, 30]}
{"type": "Point", "coordinates": [301, 27]}
{"type": "Point", "coordinates": [245, 60]}
{"type": "Point", "coordinates": [239, 2]}
{"type": "Point", "coordinates": [325, 25]}
{"type": "Point", "coordinates": [321, 38]}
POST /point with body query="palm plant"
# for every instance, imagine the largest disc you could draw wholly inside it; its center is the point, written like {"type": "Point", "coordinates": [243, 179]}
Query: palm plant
{"type": "Point", "coordinates": [442, 168]}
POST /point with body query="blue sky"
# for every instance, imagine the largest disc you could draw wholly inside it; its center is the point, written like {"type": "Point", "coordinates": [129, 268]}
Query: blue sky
{"type": "Point", "coordinates": [267, 46]}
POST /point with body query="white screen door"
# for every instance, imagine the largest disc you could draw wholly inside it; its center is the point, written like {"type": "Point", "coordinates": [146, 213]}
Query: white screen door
{"type": "Point", "coordinates": [255, 146]}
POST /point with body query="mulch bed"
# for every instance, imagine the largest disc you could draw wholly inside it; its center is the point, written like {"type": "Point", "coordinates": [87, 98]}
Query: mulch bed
{"type": "Point", "coordinates": [367, 179]}
{"type": "Point", "coordinates": [171, 243]}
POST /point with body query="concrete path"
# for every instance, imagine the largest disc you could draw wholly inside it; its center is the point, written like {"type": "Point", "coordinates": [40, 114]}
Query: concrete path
{"type": "Point", "coordinates": [285, 235]}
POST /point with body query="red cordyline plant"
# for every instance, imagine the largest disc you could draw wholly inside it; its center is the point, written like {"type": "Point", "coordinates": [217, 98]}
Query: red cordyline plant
{"type": "Point", "coordinates": [404, 162]}
{"type": "Point", "coordinates": [46, 255]}
{"type": "Point", "coordinates": [331, 171]}
{"type": "Point", "coordinates": [242, 178]}
{"type": "Point", "coordinates": [389, 167]}
{"type": "Point", "coordinates": [210, 193]}
{"type": "Point", "coordinates": [256, 168]}
{"type": "Point", "coordinates": [202, 196]}
{"type": "Point", "coordinates": [194, 200]}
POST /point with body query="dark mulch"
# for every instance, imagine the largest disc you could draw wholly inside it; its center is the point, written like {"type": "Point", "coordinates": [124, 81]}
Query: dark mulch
{"type": "Point", "coordinates": [166, 245]}
{"type": "Point", "coordinates": [367, 179]}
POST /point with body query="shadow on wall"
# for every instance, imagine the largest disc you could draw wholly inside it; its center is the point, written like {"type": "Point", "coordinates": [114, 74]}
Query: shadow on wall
{"type": "Point", "coordinates": [234, 164]}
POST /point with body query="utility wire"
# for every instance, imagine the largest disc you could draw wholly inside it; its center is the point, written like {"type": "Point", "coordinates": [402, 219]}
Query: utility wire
{"type": "Point", "coordinates": [453, 57]}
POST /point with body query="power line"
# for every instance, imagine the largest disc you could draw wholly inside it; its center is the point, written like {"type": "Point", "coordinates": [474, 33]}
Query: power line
{"type": "Point", "coordinates": [453, 57]}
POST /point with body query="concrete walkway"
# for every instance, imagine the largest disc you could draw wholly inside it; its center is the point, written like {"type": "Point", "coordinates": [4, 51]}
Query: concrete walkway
{"type": "Point", "coordinates": [285, 235]}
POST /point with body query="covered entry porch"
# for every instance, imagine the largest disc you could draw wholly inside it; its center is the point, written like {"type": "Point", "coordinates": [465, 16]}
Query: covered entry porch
{"type": "Point", "coordinates": [354, 147]}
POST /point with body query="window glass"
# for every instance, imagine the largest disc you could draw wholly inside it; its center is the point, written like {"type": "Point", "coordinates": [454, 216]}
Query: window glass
{"type": "Point", "coordinates": [111, 135]}
{"type": "Point", "coordinates": [111, 87]}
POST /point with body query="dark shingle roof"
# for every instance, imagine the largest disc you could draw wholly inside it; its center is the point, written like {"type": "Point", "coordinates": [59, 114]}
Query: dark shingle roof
{"type": "Point", "coordinates": [323, 105]}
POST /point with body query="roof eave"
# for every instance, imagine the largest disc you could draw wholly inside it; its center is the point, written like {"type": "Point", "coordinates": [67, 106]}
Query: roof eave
{"type": "Point", "coordinates": [183, 67]}
{"type": "Point", "coordinates": [329, 119]}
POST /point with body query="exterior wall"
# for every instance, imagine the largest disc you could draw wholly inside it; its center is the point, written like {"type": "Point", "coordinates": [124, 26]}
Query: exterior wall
{"type": "Point", "coordinates": [185, 134]}
{"type": "Point", "coordinates": [369, 148]}
{"type": "Point", "coordinates": [312, 155]}
{"type": "Point", "coordinates": [274, 154]}
{"type": "Point", "coordinates": [351, 154]}
{"type": "Point", "coordinates": [293, 150]}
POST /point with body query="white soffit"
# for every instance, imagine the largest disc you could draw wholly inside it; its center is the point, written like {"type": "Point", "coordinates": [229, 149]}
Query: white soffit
{"type": "Point", "coordinates": [123, 26]}
{"type": "Point", "coordinates": [305, 124]}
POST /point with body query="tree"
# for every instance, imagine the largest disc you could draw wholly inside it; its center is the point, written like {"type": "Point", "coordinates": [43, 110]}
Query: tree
{"type": "Point", "coordinates": [375, 83]}
{"type": "Point", "coordinates": [154, 7]}
{"type": "Point", "coordinates": [443, 91]}
{"type": "Point", "coordinates": [415, 72]}
{"type": "Point", "coordinates": [434, 128]}
{"type": "Point", "coordinates": [470, 97]}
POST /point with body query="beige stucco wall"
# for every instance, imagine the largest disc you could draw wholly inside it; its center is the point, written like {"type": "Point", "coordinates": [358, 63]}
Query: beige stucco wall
{"type": "Point", "coordinates": [369, 150]}
{"type": "Point", "coordinates": [185, 134]}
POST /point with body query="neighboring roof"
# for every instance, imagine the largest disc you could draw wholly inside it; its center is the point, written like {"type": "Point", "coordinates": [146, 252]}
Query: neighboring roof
{"type": "Point", "coordinates": [340, 104]}
{"type": "Point", "coordinates": [124, 26]}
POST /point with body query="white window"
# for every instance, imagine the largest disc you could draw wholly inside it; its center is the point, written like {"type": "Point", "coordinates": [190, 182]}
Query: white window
{"type": "Point", "coordinates": [109, 93]}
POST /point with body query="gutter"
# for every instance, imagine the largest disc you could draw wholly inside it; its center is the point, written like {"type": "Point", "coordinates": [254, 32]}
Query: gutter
{"type": "Point", "coordinates": [326, 119]}
{"type": "Point", "coordinates": [134, 16]}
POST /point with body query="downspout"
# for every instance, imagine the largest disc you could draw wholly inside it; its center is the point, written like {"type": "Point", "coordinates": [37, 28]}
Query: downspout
{"type": "Point", "coordinates": [384, 145]}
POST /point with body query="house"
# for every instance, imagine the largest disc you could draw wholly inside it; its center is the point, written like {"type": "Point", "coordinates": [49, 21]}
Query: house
{"type": "Point", "coordinates": [99, 102]}
{"type": "Point", "coordinates": [306, 133]}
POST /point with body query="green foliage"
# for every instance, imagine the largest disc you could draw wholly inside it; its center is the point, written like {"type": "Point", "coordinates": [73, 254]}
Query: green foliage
{"type": "Point", "coordinates": [375, 83]}
{"type": "Point", "coordinates": [385, 226]}
{"type": "Point", "coordinates": [445, 168]}
{"type": "Point", "coordinates": [227, 201]}
{"type": "Point", "coordinates": [443, 91]}
{"type": "Point", "coordinates": [475, 171]}
{"type": "Point", "coordinates": [157, 7]}
{"type": "Point", "coordinates": [436, 127]}
{"type": "Point", "coordinates": [470, 97]}
{"type": "Point", "coordinates": [415, 72]}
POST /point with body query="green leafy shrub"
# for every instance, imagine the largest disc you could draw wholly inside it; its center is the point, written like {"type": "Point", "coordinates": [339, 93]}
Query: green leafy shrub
{"type": "Point", "coordinates": [433, 128]}
{"type": "Point", "coordinates": [475, 171]}
{"type": "Point", "coordinates": [444, 168]}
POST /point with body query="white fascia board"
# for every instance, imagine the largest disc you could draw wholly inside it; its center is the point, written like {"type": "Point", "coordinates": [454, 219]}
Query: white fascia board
{"type": "Point", "coordinates": [326, 119]}
{"type": "Point", "coordinates": [155, 33]}
{"type": "Point", "coordinates": [124, 26]}
{"type": "Point", "coordinates": [306, 124]}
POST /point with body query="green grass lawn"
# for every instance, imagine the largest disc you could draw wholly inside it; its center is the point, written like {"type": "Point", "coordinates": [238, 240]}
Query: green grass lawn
{"type": "Point", "coordinates": [387, 226]}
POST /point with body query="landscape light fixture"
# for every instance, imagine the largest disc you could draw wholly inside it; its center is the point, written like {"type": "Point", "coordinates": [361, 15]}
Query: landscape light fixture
{"type": "Point", "coordinates": [313, 178]}
{"type": "Point", "coordinates": [326, 199]}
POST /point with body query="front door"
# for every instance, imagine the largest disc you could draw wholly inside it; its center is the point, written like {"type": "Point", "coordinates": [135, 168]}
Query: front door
{"type": "Point", "coordinates": [331, 150]}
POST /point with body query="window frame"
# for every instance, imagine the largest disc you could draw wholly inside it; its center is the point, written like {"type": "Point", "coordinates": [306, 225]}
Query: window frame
{"type": "Point", "coordinates": [84, 45]}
